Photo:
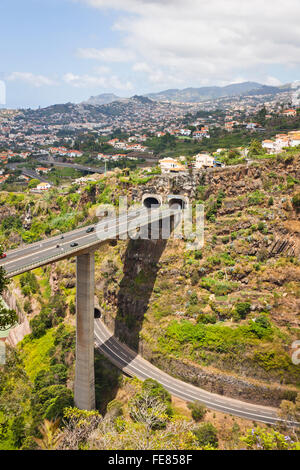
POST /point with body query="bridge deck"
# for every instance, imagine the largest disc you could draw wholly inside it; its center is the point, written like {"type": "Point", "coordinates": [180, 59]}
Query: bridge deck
{"type": "Point", "coordinates": [54, 249]}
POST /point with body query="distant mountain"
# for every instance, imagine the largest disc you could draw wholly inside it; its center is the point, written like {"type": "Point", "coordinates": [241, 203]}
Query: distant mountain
{"type": "Point", "coordinates": [104, 98]}
{"type": "Point", "coordinates": [142, 99]}
{"type": "Point", "coordinates": [196, 95]}
{"type": "Point", "coordinates": [109, 108]}
{"type": "Point", "coordinates": [87, 112]}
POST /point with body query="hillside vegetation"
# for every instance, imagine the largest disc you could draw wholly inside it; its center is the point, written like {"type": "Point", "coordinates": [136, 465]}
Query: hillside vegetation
{"type": "Point", "coordinates": [223, 317]}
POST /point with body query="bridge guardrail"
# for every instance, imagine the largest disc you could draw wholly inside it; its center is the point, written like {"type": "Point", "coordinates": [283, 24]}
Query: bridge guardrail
{"type": "Point", "coordinates": [69, 253]}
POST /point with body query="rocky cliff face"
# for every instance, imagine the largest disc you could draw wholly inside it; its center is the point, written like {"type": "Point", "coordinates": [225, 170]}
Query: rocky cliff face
{"type": "Point", "coordinates": [255, 231]}
{"type": "Point", "coordinates": [250, 256]}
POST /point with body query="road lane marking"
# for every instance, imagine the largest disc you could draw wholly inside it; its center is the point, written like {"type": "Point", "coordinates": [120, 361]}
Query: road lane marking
{"type": "Point", "coordinates": [205, 396]}
{"type": "Point", "coordinates": [141, 221]}
{"type": "Point", "coordinates": [48, 241]}
{"type": "Point", "coordinates": [191, 395]}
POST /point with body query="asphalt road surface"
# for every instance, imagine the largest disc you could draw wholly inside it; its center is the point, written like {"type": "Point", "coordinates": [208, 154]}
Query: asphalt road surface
{"type": "Point", "coordinates": [53, 249]}
{"type": "Point", "coordinates": [75, 166]}
{"type": "Point", "coordinates": [134, 365]}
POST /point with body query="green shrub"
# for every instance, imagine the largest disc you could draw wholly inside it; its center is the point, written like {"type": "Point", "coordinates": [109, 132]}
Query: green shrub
{"type": "Point", "coordinates": [56, 375]}
{"type": "Point", "coordinates": [198, 254]}
{"type": "Point", "coordinates": [263, 322]}
{"type": "Point", "coordinates": [217, 287]}
{"type": "Point", "coordinates": [29, 284]}
{"type": "Point", "coordinates": [49, 402]}
{"type": "Point", "coordinates": [193, 299]}
{"type": "Point", "coordinates": [27, 306]}
{"type": "Point", "coordinates": [206, 435]}
{"type": "Point", "coordinates": [115, 408]}
{"type": "Point", "coordinates": [296, 201]}
{"type": "Point", "coordinates": [195, 277]}
{"type": "Point", "coordinates": [206, 318]}
{"type": "Point", "coordinates": [243, 308]}
{"type": "Point", "coordinates": [18, 431]}
{"type": "Point", "coordinates": [261, 226]}
{"type": "Point", "coordinates": [256, 198]}
{"type": "Point", "coordinates": [155, 389]}
{"type": "Point", "coordinates": [198, 410]}
{"type": "Point", "coordinates": [72, 308]}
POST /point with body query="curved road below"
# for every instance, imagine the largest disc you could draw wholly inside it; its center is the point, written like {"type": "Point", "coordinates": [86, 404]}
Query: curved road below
{"type": "Point", "coordinates": [134, 365]}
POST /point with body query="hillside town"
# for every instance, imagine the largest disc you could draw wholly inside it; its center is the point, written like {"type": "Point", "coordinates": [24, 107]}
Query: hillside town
{"type": "Point", "coordinates": [36, 144]}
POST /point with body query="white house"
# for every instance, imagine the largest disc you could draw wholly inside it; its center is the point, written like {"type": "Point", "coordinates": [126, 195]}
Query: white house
{"type": "Point", "coordinates": [74, 153]}
{"type": "Point", "coordinates": [169, 165]}
{"type": "Point", "coordinates": [269, 145]}
{"type": "Point", "coordinates": [186, 132]}
{"type": "Point", "coordinates": [204, 160]}
{"type": "Point", "coordinates": [294, 138]}
{"type": "Point", "coordinates": [43, 187]}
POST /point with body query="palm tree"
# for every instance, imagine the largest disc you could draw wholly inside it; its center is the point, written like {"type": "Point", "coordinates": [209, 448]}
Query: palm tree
{"type": "Point", "coordinates": [51, 435]}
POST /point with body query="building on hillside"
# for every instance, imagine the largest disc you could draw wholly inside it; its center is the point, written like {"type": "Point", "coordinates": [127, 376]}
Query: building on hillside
{"type": "Point", "coordinates": [203, 160]}
{"type": "Point", "coordinates": [170, 165]}
{"type": "Point", "coordinates": [87, 179]}
{"type": "Point", "coordinates": [269, 146]}
{"type": "Point", "coordinates": [294, 137]}
{"type": "Point", "coordinates": [24, 178]}
{"type": "Point", "coordinates": [41, 169]}
{"type": "Point", "coordinates": [74, 153]}
{"type": "Point", "coordinates": [204, 132]}
{"type": "Point", "coordinates": [253, 126]}
{"type": "Point", "coordinates": [186, 132]}
{"type": "Point", "coordinates": [43, 186]}
{"type": "Point", "coordinates": [281, 141]}
{"type": "Point", "coordinates": [289, 113]}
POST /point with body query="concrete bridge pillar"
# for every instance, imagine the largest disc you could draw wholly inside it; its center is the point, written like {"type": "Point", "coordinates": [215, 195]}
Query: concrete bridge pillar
{"type": "Point", "coordinates": [84, 393]}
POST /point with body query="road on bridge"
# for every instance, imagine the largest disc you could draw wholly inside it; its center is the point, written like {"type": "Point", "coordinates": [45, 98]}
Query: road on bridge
{"type": "Point", "coordinates": [53, 249]}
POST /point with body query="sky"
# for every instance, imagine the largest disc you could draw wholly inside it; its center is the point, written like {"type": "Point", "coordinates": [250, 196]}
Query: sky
{"type": "Point", "coordinates": [58, 51]}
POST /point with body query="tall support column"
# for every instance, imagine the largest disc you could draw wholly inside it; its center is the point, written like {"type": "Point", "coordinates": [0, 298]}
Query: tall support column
{"type": "Point", "coordinates": [84, 393]}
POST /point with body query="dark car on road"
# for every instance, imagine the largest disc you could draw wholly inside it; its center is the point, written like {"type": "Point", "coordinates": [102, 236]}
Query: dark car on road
{"type": "Point", "coordinates": [90, 229]}
{"type": "Point", "coordinates": [74, 244]}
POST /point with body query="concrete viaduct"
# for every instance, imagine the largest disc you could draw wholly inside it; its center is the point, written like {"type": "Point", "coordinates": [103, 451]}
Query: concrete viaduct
{"type": "Point", "coordinates": [82, 244]}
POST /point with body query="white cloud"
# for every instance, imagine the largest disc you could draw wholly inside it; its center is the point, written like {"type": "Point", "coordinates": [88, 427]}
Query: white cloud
{"type": "Point", "coordinates": [102, 69]}
{"type": "Point", "coordinates": [32, 79]}
{"type": "Point", "coordinates": [96, 81]}
{"type": "Point", "coordinates": [208, 41]}
{"type": "Point", "coordinates": [156, 75]}
{"type": "Point", "coordinates": [107, 55]}
{"type": "Point", "coordinates": [272, 81]}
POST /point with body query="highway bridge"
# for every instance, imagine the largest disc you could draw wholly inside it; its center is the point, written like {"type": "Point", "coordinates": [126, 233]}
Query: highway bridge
{"type": "Point", "coordinates": [82, 244]}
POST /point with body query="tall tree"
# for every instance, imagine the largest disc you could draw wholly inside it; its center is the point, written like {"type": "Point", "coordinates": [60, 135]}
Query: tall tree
{"type": "Point", "coordinates": [7, 317]}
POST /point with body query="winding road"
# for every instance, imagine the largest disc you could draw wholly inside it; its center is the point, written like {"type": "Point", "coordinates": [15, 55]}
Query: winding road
{"type": "Point", "coordinates": [133, 364]}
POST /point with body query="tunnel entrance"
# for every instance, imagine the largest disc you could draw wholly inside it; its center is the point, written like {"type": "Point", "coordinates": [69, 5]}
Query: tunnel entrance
{"type": "Point", "coordinates": [97, 313]}
{"type": "Point", "coordinates": [151, 202]}
{"type": "Point", "coordinates": [177, 203]}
